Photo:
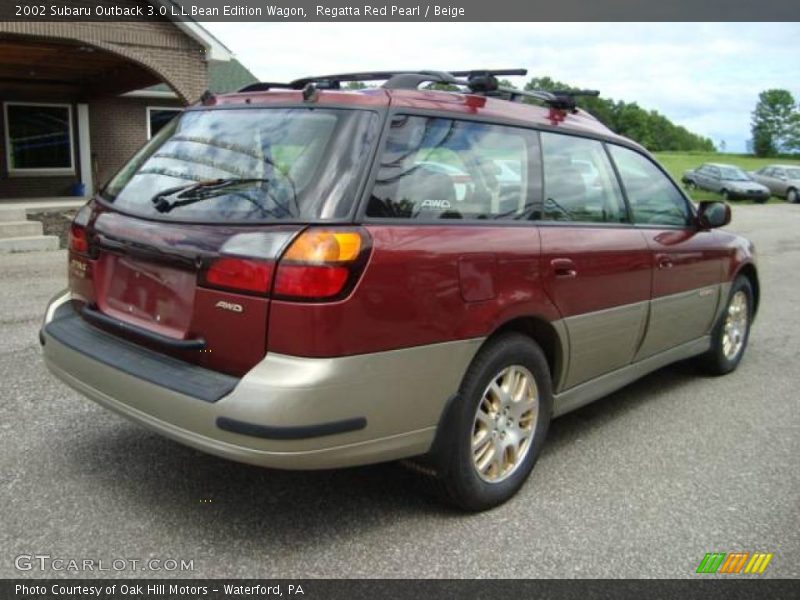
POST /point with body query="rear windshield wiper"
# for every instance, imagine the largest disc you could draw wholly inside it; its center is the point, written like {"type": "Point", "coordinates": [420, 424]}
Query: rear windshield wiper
{"type": "Point", "coordinates": [195, 192]}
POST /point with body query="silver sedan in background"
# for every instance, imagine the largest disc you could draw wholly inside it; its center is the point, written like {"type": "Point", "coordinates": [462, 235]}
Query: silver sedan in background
{"type": "Point", "coordinates": [782, 180]}
{"type": "Point", "coordinates": [728, 180]}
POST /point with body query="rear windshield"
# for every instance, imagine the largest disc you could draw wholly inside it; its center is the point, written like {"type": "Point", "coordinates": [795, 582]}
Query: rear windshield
{"type": "Point", "coordinates": [253, 164]}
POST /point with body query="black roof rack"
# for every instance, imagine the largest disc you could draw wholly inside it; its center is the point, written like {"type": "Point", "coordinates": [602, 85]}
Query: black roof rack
{"type": "Point", "coordinates": [561, 99]}
{"type": "Point", "coordinates": [478, 81]}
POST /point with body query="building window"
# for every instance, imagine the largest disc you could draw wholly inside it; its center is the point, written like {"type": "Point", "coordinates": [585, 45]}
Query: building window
{"type": "Point", "coordinates": [39, 139]}
{"type": "Point", "coordinates": [158, 116]}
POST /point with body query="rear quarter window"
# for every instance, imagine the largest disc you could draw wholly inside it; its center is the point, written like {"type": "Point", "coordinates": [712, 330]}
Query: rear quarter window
{"type": "Point", "coordinates": [438, 168]}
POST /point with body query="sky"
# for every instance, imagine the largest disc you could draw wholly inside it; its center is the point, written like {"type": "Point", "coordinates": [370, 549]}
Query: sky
{"type": "Point", "coordinates": [704, 76]}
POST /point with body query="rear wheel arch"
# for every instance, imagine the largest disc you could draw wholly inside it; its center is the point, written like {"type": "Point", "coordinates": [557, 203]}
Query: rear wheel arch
{"type": "Point", "coordinates": [545, 334]}
{"type": "Point", "coordinates": [748, 270]}
{"type": "Point", "coordinates": [541, 331]}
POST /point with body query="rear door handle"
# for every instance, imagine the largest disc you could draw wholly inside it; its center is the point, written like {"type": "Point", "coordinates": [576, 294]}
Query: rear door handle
{"type": "Point", "coordinates": [664, 262]}
{"type": "Point", "coordinates": [563, 268]}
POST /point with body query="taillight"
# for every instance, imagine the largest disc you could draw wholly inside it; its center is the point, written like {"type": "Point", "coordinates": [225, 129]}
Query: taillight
{"type": "Point", "coordinates": [310, 281]}
{"type": "Point", "coordinates": [321, 264]}
{"type": "Point", "coordinates": [78, 239]}
{"type": "Point", "coordinates": [238, 274]}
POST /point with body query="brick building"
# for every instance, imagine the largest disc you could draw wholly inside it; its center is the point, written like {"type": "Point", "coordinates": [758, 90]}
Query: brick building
{"type": "Point", "coordinates": [78, 99]}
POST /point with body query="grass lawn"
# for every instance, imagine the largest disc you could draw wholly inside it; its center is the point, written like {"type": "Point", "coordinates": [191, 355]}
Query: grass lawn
{"type": "Point", "coordinates": [678, 162]}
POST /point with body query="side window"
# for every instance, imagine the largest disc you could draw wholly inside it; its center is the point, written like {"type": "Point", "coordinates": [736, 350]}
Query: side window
{"type": "Point", "coordinates": [436, 168]}
{"type": "Point", "coordinates": [653, 198]}
{"type": "Point", "coordinates": [714, 172]}
{"type": "Point", "coordinates": [579, 182]}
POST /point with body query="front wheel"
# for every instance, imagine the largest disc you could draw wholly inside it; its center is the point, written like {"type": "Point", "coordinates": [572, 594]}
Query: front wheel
{"type": "Point", "coordinates": [731, 334]}
{"type": "Point", "coordinates": [792, 197]}
{"type": "Point", "coordinates": [726, 195]}
{"type": "Point", "coordinates": [494, 432]}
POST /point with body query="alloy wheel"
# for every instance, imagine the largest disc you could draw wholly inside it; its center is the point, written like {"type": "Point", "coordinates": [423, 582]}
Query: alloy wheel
{"type": "Point", "coordinates": [735, 328]}
{"type": "Point", "coordinates": [504, 424]}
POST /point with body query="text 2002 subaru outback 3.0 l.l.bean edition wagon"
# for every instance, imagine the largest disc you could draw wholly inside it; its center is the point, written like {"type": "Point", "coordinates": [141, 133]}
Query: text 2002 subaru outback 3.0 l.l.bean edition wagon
{"type": "Point", "coordinates": [287, 277]}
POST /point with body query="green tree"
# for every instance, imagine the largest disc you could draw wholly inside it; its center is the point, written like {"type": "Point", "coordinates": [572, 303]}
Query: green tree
{"type": "Point", "coordinates": [650, 128]}
{"type": "Point", "coordinates": [763, 143]}
{"type": "Point", "coordinates": [775, 123]}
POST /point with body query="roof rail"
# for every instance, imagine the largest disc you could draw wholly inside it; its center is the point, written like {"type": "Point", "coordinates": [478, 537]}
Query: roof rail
{"type": "Point", "coordinates": [477, 81]}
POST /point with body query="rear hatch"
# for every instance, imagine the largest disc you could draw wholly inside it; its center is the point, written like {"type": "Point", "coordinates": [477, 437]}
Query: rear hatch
{"type": "Point", "coordinates": [179, 252]}
{"type": "Point", "coordinates": [154, 284]}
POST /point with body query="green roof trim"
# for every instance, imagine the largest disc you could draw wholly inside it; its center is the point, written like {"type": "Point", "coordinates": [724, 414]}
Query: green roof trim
{"type": "Point", "coordinates": [224, 76]}
{"type": "Point", "coordinates": [228, 76]}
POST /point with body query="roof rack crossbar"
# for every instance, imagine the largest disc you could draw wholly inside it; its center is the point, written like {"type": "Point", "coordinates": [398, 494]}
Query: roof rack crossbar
{"type": "Point", "coordinates": [265, 86]}
{"type": "Point", "coordinates": [432, 76]}
{"type": "Point", "coordinates": [477, 81]}
{"type": "Point", "coordinates": [561, 99]}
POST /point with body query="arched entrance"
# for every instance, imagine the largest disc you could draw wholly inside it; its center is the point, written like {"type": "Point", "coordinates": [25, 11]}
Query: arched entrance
{"type": "Point", "coordinates": [70, 111]}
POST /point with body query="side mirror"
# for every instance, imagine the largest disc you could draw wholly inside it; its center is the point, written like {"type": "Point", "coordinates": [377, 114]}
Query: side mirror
{"type": "Point", "coordinates": [712, 214]}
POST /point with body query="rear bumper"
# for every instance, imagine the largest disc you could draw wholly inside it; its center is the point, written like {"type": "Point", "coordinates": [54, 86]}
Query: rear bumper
{"type": "Point", "coordinates": [287, 412]}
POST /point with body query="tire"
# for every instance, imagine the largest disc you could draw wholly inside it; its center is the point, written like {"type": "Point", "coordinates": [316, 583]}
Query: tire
{"type": "Point", "coordinates": [729, 342]}
{"type": "Point", "coordinates": [725, 196]}
{"type": "Point", "coordinates": [472, 471]}
{"type": "Point", "coordinates": [792, 197]}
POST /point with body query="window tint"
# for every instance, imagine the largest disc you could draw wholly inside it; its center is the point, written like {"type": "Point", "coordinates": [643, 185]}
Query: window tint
{"type": "Point", "coordinates": [434, 168]}
{"type": "Point", "coordinates": [39, 137]}
{"type": "Point", "coordinates": [271, 163]}
{"type": "Point", "coordinates": [579, 182]}
{"type": "Point", "coordinates": [652, 196]}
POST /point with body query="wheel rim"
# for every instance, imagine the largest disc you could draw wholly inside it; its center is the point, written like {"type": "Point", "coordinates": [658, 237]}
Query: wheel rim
{"type": "Point", "coordinates": [792, 197]}
{"type": "Point", "coordinates": [504, 424]}
{"type": "Point", "coordinates": [735, 329]}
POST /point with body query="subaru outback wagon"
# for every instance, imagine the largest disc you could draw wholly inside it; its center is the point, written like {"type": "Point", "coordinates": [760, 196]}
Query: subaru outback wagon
{"type": "Point", "coordinates": [291, 276]}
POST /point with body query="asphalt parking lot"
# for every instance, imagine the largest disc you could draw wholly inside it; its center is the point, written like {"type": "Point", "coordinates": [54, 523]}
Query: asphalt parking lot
{"type": "Point", "coordinates": [640, 484]}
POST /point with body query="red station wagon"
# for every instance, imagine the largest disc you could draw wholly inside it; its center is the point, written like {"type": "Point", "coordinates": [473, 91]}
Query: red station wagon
{"type": "Point", "coordinates": [302, 277]}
